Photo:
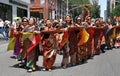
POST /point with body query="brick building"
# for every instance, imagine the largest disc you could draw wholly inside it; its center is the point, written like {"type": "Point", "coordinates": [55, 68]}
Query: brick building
{"type": "Point", "coordinates": [42, 8]}
{"type": "Point", "coordinates": [47, 9]}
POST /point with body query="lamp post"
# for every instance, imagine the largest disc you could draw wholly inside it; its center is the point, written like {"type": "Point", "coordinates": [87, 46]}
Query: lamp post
{"type": "Point", "coordinates": [67, 6]}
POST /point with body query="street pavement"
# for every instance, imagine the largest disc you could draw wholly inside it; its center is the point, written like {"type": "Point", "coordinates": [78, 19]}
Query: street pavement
{"type": "Point", "coordinates": [105, 64]}
{"type": "Point", "coordinates": [2, 41]}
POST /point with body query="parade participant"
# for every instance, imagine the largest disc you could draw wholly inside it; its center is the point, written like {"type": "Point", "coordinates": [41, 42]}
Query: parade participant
{"type": "Point", "coordinates": [117, 21]}
{"type": "Point", "coordinates": [78, 22]}
{"type": "Point", "coordinates": [98, 36]}
{"type": "Point", "coordinates": [23, 53]}
{"type": "Point", "coordinates": [101, 21]}
{"type": "Point", "coordinates": [65, 48]}
{"type": "Point", "coordinates": [96, 39]}
{"type": "Point", "coordinates": [70, 48]}
{"type": "Point", "coordinates": [48, 47]}
{"type": "Point", "coordinates": [79, 55]}
{"type": "Point", "coordinates": [84, 47]}
{"type": "Point", "coordinates": [89, 49]}
{"type": "Point", "coordinates": [16, 34]}
{"type": "Point", "coordinates": [108, 36]}
{"type": "Point", "coordinates": [117, 41]}
{"type": "Point", "coordinates": [31, 54]}
{"type": "Point", "coordinates": [17, 46]}
{"type": "Point", "coordinates": [90, 43]}
{"type": "Point", "coordinates": [114, 21]}
{"type": "Point", "coordinates": [87, 21]}
{"type": "Point", "coordinates": [72, 41]}
{"type": "Point", "coordinates": [103, 45]}
{"type": "Point", "coordinates": [56, 24]}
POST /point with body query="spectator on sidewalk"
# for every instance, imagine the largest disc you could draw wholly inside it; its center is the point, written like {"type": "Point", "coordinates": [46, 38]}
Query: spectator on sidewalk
{"type": "Point", "coordinates": [2, 29]}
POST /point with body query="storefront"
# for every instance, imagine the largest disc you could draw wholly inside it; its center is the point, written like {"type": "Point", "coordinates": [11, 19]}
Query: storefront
{"type": "Point", "coordinates": [13, 8]}
{"type": "Point", "coordinates": [5, 11]}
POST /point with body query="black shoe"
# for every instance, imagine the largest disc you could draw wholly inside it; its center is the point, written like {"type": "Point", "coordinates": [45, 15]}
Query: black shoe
{"type": "Point", "coordinates": [73, 64]}
{"type": "Point", "coordinates": [22, 65]}
{"type": "Point", "coordinates": [98, 53]}
{"type": "Point", "coordinates": [103, 51]}
{"type": "Point", "coordinates": [49, 70]}
{"type": "Point", "coordinates": [111, 48]}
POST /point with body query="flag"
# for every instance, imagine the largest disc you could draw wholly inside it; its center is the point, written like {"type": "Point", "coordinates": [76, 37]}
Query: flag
{"type": "Point", "coordinates": [12, 40]}
{"type": "Point", "coordinates": [114, 33]}
{"type": "Point", "coordinates": [86, 12]}
{"type": "Point", "coordinates": [26, 35]}
{"type": "Point", "coordinates": [35, 41]}
{"type": "Point", "coordinates": [91, 32]}
{"type": "Point", "coordinates": [64, 39]}
{"type": "Point", "coordinates": [84, 36]}
{"type": "Point", "coordinates": [11, 44]}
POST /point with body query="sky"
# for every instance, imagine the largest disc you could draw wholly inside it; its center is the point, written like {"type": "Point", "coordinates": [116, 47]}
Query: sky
{"type": "Point", "coordinates": [103, 7]}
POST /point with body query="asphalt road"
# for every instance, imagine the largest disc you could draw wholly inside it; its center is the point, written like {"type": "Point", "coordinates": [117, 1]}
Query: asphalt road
{"type": "Point", "coordinates": [107, 64]}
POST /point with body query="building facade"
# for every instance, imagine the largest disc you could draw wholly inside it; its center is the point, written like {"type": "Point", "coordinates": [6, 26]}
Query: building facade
{"type": "Point", "coordinates": [111, 4]}
{"type": "Point", "coordinates": [47, 9]}
{"type": "Point", "coordinates": [13, 8]}
{"type": "Point", "coordinates": [117, 2]}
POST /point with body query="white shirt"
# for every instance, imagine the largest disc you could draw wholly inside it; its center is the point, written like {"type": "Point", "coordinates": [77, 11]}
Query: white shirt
{"type": "Point", "coordinates": [1, 24]}
{"type": "Point", "coordinates": [14, 24]}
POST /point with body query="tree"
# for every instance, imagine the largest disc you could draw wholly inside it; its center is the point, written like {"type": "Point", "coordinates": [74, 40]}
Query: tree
{"type": "Point", "coordinates": [115, 11]}
{"type": "Point", "coordinates": [95, 11]}
{"type": "Point", "coordinates": [94, 8]}
{"type": "Point", "coordinates": [76, 3]}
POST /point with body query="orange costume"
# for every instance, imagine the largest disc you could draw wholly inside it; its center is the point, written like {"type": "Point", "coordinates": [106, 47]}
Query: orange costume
{"type": "Point", "coordinates": [49, 48]}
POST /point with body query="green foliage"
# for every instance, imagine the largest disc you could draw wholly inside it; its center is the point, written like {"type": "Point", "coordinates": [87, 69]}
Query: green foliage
{"type": "Point", "coordinates": [95, 11]}
{"type": "Point", "coordinates": [115, 11]}
{"type": "Point", "coordinates": [76, 3]}
{"type": "Point", "coordinates": [79, 1]}
{"type": "Point", "coordinates": [117, 0]}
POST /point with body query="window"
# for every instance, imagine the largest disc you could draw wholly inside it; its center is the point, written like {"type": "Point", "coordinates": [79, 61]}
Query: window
{"type": "Point", "coordinates": [6, 12]}
{"type": "Point", "coordinates": [21, 12]}
{"type": "Point", "coordinates": [32, 0]}
{"type": "Point", "coordinates": [42, 1]}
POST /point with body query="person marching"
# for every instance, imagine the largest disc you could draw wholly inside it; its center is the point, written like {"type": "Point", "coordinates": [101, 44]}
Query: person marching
{"type": "Point", "coordinates": [32, 55]}
{"type": "Point", "coordinates": [90, 43]}
{"type": "Point", "coordinates": [22, 56]}
{"type": "Point", "coordinates": [70, 47]}
{"type": "Point", "coordinates": [99, 33]}
{"type": "Point", "coordinates": [16, 33]}
{"type": "Point", "coordinates": [79, 55]}
{"type": "Point", "coordinates": [48, 47]}
{"type": "Point", "coordinates": [108, 37]}
{"type": "Point", "coordinates": [28, 55]}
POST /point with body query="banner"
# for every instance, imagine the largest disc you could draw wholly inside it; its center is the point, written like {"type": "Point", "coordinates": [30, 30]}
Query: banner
{"type": "Point", "coordinates": [84, 36]}
{"type": "Point", "coordinates": [12, 40]}
{"type": "Point", "coordinates": [35, 41]}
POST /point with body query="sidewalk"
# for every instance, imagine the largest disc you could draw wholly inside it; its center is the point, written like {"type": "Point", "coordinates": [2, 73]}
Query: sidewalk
{"type": "Point", "coordinates": [2, 40]}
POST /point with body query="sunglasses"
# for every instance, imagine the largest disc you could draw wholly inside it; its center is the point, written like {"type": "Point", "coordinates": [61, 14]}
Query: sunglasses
{"type": "Point", "coordinates": [24, 21]}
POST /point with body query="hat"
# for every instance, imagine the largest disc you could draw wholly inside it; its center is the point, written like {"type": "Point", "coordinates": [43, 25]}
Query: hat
{"type": "Point", "coordinates": [55, 21]}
